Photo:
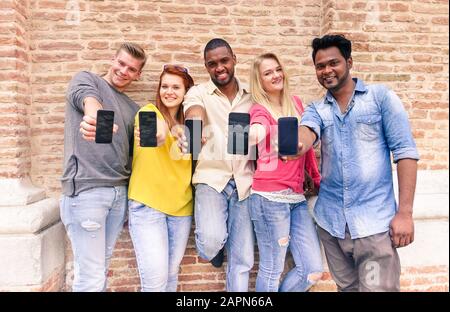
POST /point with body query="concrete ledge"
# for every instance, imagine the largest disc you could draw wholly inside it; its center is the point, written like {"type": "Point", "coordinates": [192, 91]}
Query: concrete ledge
{"type": "Point", "coordinates": [30, 259]}
{"type": "Point", "coordinates": [18, 192]}
{"type": "Point", "coordinates": [30, 218]}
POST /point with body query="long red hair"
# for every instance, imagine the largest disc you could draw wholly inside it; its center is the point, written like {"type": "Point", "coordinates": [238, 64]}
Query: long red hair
{"type": "Point", "coordinates": [188, 83]}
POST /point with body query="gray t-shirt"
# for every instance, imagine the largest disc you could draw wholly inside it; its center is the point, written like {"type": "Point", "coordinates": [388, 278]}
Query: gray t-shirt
{"type": "Point", "coordinates": [87, 164]}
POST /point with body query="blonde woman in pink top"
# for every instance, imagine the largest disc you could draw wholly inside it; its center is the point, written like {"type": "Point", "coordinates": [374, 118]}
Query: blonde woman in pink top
{"type": "Point", "coordinates": [278, 207]}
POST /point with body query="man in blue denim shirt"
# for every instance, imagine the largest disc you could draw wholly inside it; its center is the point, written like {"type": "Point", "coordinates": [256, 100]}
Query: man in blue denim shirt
{"type": "Point", "coordinates": [360, 224]}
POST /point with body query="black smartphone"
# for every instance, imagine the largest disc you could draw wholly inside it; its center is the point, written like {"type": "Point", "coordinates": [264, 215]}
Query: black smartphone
{"type": "Point", "coordinates": [238, 128]}
{"type": "Point", "coordinates": [104, 127]}
{"type": "Point", "coordinates": [147, 129]}
{"type": "Point", "coordinates": [193, 135]}
{"type": "Point", "coordinates": [287, 136]}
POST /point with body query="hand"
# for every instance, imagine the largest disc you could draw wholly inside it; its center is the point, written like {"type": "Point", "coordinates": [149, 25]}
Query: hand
{"type": "Point", "coordinates": [88, 126]}
{"type": "Point", "coordinates": [285, 158]}
{"type": "Point", "coordinates": [161, 133]}
{"type": "Point", "coordinates": [308, 185]}
{"type": "Point", "coordinates": [178, 133]}
{"type": "Point", "coordinates": [402, 230]}
{"type": "Point", "coordinates": [137, 136]}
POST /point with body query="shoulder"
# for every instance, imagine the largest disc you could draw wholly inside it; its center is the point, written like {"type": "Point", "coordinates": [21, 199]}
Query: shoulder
{"type": "Point", "coordinates": [378, 89]}
{"type": "Point", "coordinates": [317, 104]}
{"type": "Point", "coordinates": [260, 114]}
{"type": "Point", "coordinates": [85, 78]}
{"type": "Point", "coordinates": [150, 107]}
{"type": "Point", "coordinates": [83, 75]}
{"type": "Point", "coordinates": [379, 92]}
{"type": "Point", "coordinates": [258, 109]}
{"type": "Point", "coordinates": [298, 102]}
{"type": "Point", "coordinates": [197, 89]}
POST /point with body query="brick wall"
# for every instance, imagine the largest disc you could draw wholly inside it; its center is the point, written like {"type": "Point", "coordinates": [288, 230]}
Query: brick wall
{"type": "Point", "coordinates": [404, 44]}
{"type": "Point", "coordinates": [15, 90]}
{"type": "Point", "coordinates": [44, 42]}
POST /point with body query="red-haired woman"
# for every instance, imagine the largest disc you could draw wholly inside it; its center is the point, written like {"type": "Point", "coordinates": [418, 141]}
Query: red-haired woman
{"type": "Point", "coordinates": [160, 193]}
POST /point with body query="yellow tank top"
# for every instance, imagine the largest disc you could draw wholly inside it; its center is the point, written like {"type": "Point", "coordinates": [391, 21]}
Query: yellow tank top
{"type": "Point", "coordinates": [161, 176]}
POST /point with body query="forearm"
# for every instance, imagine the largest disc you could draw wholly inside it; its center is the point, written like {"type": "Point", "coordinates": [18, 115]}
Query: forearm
{"type": "Point", "coordinates": [91, 106]}
{"type": "Point", "coordinates": [407, 176]}
{"type": "Point", "coordinates": [256, 134]}
{"type": "Point", "coordinates": [306, 137]}
{"type": "Point", "coordinates": [195, 112]}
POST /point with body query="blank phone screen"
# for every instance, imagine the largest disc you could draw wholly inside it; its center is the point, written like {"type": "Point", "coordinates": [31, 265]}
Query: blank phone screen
{"type": "Point", "coordinates": [147, 128]}
{"type": "Point", "coordinates": [287, 136]}
{"type": "Point", "coordinates": [104, 127]}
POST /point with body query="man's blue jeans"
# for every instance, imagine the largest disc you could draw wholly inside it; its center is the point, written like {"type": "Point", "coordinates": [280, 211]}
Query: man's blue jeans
{"type": "Point", "coordinates": [93, 220]}
{"type": "Point", "coordinates": [159, 242]}
{"type": "Point", "coordinates": [279, 226]}
{"type": "Point", "coordinates": [222, 220]}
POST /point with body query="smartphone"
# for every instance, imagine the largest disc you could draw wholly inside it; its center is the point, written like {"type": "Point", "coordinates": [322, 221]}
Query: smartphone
{"type": "Point", "coordinates": [238, 128]}
{"type": "Point", "coordinates": [147, 129]}
{"type": "Point", "coordinates": [287, 136]}
{"type": "Point", "coordinates": [193, 135]}
{"type": "Point", "coordinates": [104, 127]}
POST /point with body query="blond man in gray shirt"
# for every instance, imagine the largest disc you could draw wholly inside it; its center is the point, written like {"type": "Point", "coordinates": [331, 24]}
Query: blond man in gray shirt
{"type": "Point", "coordinates": [95, 176]}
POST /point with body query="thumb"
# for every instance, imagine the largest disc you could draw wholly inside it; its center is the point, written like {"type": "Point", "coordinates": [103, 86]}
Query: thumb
{"type": "Point", "coordinates": [90, 120]}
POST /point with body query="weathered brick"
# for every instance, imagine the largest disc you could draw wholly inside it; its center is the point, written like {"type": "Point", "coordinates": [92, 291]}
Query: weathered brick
{"type": "Point", "coordinates": [398, 43]}
{"type": "Point", "coordinates": [399, 7]}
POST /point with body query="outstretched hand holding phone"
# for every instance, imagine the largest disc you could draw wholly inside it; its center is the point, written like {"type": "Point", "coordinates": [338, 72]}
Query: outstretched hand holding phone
{"type": "Point", "coordinates": [88, 125]}
{"type": "Point", "coordinates": [306, 138]}
{"type": "Point", "coordinates": [190, 144]}
{"type": "Point", "coordinates": [158, 138]}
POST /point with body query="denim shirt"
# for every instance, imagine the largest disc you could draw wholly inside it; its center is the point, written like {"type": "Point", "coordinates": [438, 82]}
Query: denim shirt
{"type": "Point", "coordinates": [356, 187]}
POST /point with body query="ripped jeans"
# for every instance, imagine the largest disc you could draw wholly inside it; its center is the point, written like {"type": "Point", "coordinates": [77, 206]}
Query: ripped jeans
{"type": "Point", "coordinates": [277, 227]}
{"type": "Point", "coordinates": [93, 220]}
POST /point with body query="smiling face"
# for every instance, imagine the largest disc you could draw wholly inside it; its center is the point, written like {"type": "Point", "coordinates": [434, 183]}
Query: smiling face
{"type": "Point", "coordinates": [123, 71]}
{"type": "Point", "coordinates": [220, 63]}
{"type": "Point", "coordinates": [332, 69]}
{"type": "Point", "coordinates": [172, 91]}
{"type": "Point", "coordinates": [272, 76]}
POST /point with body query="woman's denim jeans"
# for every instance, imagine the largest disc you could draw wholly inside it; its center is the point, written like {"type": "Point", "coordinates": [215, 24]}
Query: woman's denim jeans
{"type": "Point", "coordinates": [93, 220]}
{"type": "Point", "coordinates": [159, 243]}
{"type": "Point", "coordinates": [222, 220]}
{"type": "Point", "coordinates": [277, 227]}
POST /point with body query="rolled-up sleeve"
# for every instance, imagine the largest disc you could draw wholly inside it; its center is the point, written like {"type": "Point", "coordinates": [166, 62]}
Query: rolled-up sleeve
{"type": "Point", "coordinates": [397, 129]}
{"type": "Point", "coordinates": [312, 120]}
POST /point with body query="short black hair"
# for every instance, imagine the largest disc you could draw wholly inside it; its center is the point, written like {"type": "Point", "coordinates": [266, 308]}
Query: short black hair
{"type": "Point", "coordinates": [344, 45]}
{"type": "Point", "coordinates": [216, 43]}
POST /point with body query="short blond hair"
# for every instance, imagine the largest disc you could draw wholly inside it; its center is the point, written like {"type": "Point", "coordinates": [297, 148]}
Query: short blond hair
{"type": "Point", "coordinates": [134, 50]}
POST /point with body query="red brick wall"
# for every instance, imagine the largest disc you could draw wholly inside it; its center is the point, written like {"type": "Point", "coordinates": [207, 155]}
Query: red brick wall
{"type": "Point", "coordinates": [42, 44]}
{"type": "Point", "coordinates": [15, 90]}
{"type": "Point", "coordinates": [404, 44]}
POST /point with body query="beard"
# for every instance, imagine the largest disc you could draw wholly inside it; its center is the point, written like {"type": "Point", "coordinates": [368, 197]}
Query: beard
{"type": "Point", "coordinates": [222, 83]}
{"type": "Point", "coordinates": [341, 81]}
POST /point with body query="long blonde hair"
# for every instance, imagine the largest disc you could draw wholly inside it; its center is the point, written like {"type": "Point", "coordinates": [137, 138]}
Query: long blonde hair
{"type": "Point", "coordinates": [259, 95]}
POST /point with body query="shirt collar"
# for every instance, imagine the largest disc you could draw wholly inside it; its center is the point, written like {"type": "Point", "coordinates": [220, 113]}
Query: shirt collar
{"type": "Point", "coordinates": [211, 87]}
{"type": "Point", "coordinates": [359, 87]}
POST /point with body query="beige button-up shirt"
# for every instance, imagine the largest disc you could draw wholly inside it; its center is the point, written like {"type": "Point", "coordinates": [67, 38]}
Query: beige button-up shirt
{"type": "Point", "coordinates": [215, 167]}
